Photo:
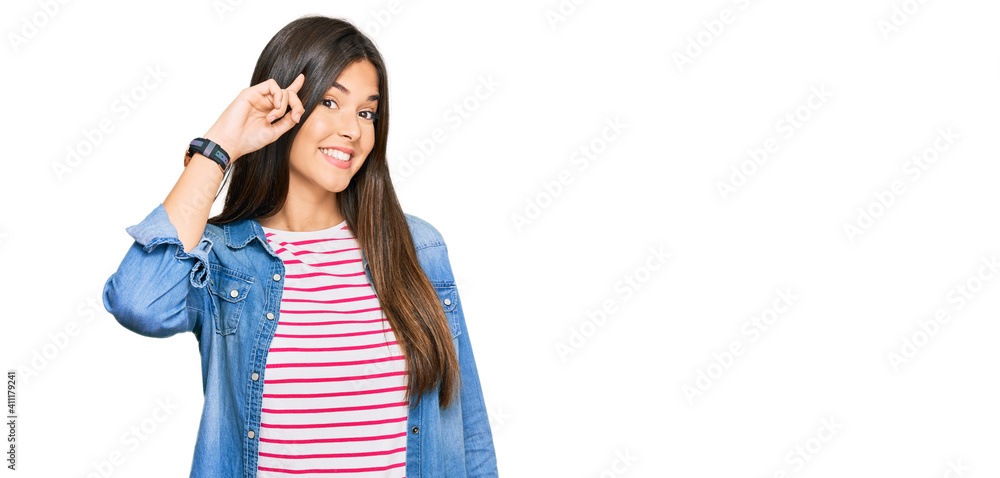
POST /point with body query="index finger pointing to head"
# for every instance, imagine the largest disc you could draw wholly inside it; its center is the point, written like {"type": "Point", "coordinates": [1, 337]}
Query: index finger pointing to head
{"type": "Point", "coordinates": [296, 104]}
{"type": "Point", "coordinates": [297, 82]}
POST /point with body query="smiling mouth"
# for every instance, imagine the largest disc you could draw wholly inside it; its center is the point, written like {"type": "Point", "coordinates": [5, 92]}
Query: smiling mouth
{"type": "Point", "coordinates": [336, 154]}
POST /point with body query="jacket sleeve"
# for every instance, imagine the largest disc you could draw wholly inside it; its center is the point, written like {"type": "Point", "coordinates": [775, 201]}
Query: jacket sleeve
{"type": "Point", "coordinates": [480, 456]}
{"type": "Point", "coordinates": [148, 294]}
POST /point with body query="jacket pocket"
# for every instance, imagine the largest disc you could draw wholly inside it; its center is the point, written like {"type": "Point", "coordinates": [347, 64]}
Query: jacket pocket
{"type": "Point", "coordinates": [448, 296]}
{"type": "Point", "coordinates": [229, 288]}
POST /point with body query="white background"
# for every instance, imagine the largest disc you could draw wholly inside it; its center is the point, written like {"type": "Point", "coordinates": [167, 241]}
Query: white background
{"type": "Point", "coordinates": [571, 393]}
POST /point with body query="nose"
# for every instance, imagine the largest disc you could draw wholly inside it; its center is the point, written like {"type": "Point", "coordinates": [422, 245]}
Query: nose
{"type": "Point", "coordinates": [348, 126]}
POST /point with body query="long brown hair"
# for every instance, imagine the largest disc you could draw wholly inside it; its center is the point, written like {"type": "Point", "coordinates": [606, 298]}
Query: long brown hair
{"type": "Point", "coordinates": [321, 47]}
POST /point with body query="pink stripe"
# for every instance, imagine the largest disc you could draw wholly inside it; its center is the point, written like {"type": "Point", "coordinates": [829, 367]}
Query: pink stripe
{"type": "Point", "coordinates": [333, 364]}
{"type": "Point", "coordinates": [334, 455]}
{"type": "Point", "coordinates": [335, 440]}
{"type": "Point", "coordinates": [332, 301]}
{"type": "Point", "coordinates": [333, 394]}
{"type": "Point", "coordinates": [323, 264]}
{"type": "Point", "coordinates": [348, 334]}
{"type": "Point", "coordinates": [305, 251]}
{"type": "Point", "coordinates": [316, 274]}
{"type": "Point", "coordinates": [333, 425]}
{"type": "Point", "coordinates": [335, 379]}
{"type": "Point", "coordinates": [333, 470]}
{"type": "Point", "coordinates": [340, 409]}
{"type": "Point", "coordinates": [315, 241]}
{"type": "Point", "coordinates": [326, 287]}
{"type": "Point", "coordinates": [331, 349]}
{"type": "Point", "coordinates": [332, 322]}
{"type": "Point", "coordinates": [355, 311]}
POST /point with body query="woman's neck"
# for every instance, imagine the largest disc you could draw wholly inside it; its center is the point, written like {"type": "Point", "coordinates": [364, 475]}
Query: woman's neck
{"type": "Point", "coordinates": [300, 216]}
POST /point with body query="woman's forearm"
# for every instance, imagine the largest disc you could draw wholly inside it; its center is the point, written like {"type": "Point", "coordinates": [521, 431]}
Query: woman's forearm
{"type": "Point", "coordinates": [189, 203]}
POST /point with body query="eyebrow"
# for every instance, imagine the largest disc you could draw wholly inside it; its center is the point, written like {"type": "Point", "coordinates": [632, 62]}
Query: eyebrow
{"type": "Point", "coordinates": [346, 92]}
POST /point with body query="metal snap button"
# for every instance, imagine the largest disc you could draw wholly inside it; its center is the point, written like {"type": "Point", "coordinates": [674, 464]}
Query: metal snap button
{"type": "Point", "coordinates": [415, 430]}
{"type": "Point", "coordinates": [254, 376]}
{"type": "Point", "coordinates": [250, 434]}
{"type": "Point", "coordinates": [270, 316]}
{"type": "Point", "coordinates": [277, 277]}
{"type": "Point", "coordinates": [447, 302]}
{"type": "Point", "coordinates": [234, 293]}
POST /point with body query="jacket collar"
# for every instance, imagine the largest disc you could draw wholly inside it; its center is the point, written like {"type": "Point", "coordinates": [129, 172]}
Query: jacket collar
{"type": "Point", "coordinates": [240, 233]}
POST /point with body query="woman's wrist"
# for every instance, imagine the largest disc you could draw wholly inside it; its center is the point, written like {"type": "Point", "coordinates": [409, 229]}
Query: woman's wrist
{"type": "Point", "coordinates": [203, 162]}
{"type": "Point", "coordinates": [228, 146]}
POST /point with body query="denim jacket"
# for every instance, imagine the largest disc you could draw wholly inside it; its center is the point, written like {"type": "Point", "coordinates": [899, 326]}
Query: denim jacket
{"type": "Point", "coordinates": [227, 291]}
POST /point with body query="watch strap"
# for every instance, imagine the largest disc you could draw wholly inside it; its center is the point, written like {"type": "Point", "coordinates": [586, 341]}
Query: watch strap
{"type": "Point", "coordinates": [210, 150]}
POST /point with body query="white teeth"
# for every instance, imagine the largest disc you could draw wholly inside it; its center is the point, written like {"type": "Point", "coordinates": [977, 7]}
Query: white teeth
{"type": "Point", "coordinates": [336, 153]}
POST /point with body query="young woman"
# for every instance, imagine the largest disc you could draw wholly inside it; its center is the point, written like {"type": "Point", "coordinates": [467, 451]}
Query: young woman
{"type": "Point", "coordinates": [332, 336]}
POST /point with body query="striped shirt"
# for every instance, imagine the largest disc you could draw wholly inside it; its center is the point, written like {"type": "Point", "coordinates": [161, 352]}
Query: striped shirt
{"type": "Point", "coordinates": [335, 378]}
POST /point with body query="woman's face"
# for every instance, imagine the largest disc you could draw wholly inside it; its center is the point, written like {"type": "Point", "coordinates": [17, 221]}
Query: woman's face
{"type": "Point", "coordinates": [341, 125]}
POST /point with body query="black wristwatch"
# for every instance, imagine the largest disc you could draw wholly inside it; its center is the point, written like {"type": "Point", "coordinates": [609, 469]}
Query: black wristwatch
{"type": "Point", "coordinates": [210, 150]}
